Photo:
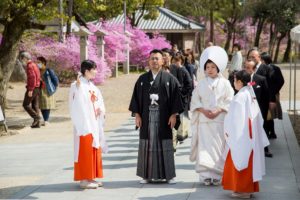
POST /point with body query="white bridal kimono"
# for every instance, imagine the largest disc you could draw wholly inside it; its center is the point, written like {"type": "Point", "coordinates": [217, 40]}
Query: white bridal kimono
{"type": "Point", "coordinates": [244, 107]}
{"type": "Point", "coordinates": [208, 142]}
{"type": "Point", "coordinates": [87, 114]}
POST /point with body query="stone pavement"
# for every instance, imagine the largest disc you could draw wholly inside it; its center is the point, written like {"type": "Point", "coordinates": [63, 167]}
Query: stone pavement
{"type": "Point", "coordinates": [50, 162]}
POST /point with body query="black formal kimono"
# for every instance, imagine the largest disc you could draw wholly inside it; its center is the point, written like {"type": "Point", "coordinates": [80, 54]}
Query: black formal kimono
{"type": "Point", "coordinates": [186, 84]}
{"type": "Point", "coordinates": [277, 81]}
{"type": "Point", "coordinates": [191, 69]}
{"type": "Point", "coordinates": [156, 155]}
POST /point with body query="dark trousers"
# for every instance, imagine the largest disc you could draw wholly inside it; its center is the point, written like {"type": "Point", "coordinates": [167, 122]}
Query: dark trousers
{"type": "Point", "coordinates": [269, 124]}
{"type": "Point", "coordinates": [266, 129]}
{"type": "Point", "coordinates": [31, 104]}
{"type": "Point", "coordinates": [46, 114]}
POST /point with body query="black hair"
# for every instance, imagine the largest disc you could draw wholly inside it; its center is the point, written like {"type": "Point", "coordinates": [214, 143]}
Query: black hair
{"type": "Point", "coordinates": [156, 51]}
{"type": "Point", "coordinates": [178, 58]}
{"type": "Point", "coordinates": [237, 45]}
{"type": "Point", "coordinates": [87, 65]}
{"type": "Point", "coordinates": [42, 59]}
{"type": "Point", "coordinates": [210, 61]}
{"type": "Point", "coordinates": [166, 50]}
{"type": "Point", "coordinates": [266, 58]}
{"type": "Point", "coordinates": [243, 76]}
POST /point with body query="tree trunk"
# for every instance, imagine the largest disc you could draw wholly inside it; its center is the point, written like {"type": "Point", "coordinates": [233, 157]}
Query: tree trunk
{"type": "Point", "coordinates": [12, 34]}
{"type": "Point", "coordinates": [70, 14]}
{"type": "Point", "coordinates": [132, 19]}
{"type": "Point", "coordinates": [272, 39]}
{"type": "Point", "coordinates": [229, 35]}
{"type": "Point", "coordinates": [286, 57]}
{"type": "Point", "coordinates": [282, 35]}
{"type": "Point", "coordinates": [260, 26]}
{"type": "Point", "coordinates": [211, 19]}
{"type": "Point", "coordinates": [234, 37]}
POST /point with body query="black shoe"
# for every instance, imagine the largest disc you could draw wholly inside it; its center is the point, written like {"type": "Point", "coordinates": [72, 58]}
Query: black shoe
{"type": "Point", "coordinates": [272, 136]}
{"type": "Point", "coordinates": [268, 154]}
{"type": "Point", "coordinates": [36, 124]}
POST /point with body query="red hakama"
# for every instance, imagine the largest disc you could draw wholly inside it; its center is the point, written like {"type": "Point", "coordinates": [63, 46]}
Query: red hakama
{"type": "Point", "coordinates": [89, 165]}
{"type": "Point", "coordinates": [239, 181]}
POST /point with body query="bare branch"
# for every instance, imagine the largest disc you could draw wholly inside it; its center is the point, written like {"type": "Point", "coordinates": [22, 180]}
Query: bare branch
{"type": "Point", "coordinates": [142, 14]}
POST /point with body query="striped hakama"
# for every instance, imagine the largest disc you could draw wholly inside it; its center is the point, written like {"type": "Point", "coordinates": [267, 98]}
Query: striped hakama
{"type": "Point", "coordinates": [155, 156]}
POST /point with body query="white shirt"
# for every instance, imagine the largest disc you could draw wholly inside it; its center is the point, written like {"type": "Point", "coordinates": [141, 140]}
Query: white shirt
{"type": "Point", "coordinates": [257, 66]}
{"type": "Point", "coordinates": [237, 61]}
{"type": "Point", "coordinates": [154, 76]}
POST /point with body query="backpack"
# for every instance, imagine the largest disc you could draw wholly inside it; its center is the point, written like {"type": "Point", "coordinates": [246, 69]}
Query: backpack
{"type": "Point", "coordinates": [51, 81]}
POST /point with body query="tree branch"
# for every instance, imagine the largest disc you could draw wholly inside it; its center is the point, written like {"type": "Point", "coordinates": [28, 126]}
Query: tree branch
{"type": "Point", "coordinates": [142, 14]}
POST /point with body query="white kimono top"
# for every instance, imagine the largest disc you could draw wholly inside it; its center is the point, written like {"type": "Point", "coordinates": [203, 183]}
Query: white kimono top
{"type": "Point", "coordinates": [244, 107]}
{"type": "Point", "coordinates": [87, 112]}
{"type": "Point", "coordinates": [209, 94]}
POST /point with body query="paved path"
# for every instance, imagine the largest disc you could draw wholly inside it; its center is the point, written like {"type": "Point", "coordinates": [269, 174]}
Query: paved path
{"type": "Point", "coordinates": [50, 161]}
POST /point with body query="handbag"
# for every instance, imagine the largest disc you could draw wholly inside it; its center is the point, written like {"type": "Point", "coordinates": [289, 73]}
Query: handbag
{"type": "Point", "coordinates": [51, 81]}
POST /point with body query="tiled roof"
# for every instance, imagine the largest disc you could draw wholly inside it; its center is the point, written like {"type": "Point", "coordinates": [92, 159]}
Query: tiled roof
{"type": "Point", "coordinates": [166, 21]}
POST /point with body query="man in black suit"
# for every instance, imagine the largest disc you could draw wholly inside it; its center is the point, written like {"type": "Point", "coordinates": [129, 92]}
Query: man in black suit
{"type": "Point", "coordinates": [261, 91]}
{"type": "Point", "coordinates": [265, 71]}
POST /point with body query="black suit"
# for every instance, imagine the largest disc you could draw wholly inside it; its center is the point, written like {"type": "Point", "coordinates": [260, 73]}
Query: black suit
{"type": "Point", "coordinates": [262, 93]}
{"type": "Point", "coordinates": [266, 71]}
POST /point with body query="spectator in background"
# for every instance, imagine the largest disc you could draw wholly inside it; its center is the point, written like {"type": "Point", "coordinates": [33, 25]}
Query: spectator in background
{"type": "Point", "coordinates": [277, 81]}
{"type": "Point", "coordinates": [31, 99]}
{"type": "Point", "coordinates": [167, 59]}
{"type": "Point", "coordinates": [177, 69]}
{"type": "Point", "coordinates": [209, 44]}
{"type": "Point", "coordinates": [49, 83]}
{"type": "Point", "coordinates": [175, 50]}
{"type": "Point", "coordinates": [189, 64]}
{"type": "Point", "coordinates": [237, 59]}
